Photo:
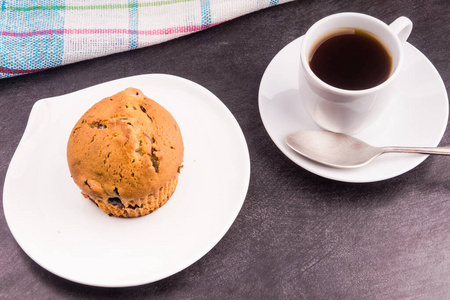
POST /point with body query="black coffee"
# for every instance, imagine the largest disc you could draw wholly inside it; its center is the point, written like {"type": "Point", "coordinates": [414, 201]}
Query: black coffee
{"type": "Point", "coordinates": [351, 59]}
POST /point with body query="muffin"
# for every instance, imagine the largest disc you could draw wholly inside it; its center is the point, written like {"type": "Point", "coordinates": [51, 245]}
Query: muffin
{"type": "Point", "coordinates": [125, 154]}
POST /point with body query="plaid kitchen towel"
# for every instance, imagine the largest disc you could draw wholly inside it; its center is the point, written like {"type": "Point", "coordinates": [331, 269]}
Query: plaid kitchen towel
{"type": "Point", "coordinates": [40, 34]}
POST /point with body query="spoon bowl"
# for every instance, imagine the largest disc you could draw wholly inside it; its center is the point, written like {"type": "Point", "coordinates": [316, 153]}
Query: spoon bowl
{"type": "Point", "coordinates": [343, 151]}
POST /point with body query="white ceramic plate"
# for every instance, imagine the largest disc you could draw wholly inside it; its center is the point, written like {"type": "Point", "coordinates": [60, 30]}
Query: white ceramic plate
{"type": "Point", "coordinates": [69, 236]}
{"type": "Point", "coordinates": [417, 117]}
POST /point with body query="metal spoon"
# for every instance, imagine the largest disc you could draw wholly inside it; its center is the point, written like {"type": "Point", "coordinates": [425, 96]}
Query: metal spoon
{"type": "Point", "coordinates": [343, 151]}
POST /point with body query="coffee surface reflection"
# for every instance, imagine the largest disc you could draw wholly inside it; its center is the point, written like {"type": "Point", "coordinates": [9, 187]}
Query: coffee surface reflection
{"type": "Point", "coordinates": [351, 59]}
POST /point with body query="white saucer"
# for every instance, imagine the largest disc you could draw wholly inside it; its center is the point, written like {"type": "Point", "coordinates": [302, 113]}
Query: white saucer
{"type": "Point", "coordinates": [69, 236]}
{"type": "Point", "coordinates": [417, 117]}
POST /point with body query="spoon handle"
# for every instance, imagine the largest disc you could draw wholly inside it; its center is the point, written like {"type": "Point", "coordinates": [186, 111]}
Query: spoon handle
{"type": "Point", "coordinates": [422, 150]}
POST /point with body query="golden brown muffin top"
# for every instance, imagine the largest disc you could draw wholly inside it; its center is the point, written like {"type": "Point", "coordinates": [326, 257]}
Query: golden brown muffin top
{"type": "Point", "coordinates": [124, 147]}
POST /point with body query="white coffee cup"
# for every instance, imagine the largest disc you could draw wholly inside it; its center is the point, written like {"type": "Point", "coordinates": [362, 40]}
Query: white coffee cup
{"type": "Point", "coordinates": [349, 111]}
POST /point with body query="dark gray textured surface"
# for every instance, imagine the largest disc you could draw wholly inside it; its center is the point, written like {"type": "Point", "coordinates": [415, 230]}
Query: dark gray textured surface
{"type": "Point", "coordinates": [298, 236]}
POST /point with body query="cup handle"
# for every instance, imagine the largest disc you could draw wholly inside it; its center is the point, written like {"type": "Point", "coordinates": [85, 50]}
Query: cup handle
{"type": "Point", "coordinates": [402, 27]}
